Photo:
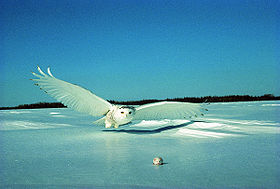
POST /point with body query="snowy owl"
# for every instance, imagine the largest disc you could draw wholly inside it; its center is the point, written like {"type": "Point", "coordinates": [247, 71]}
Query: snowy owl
{"type": "Point", "coordinates": [82, 100]}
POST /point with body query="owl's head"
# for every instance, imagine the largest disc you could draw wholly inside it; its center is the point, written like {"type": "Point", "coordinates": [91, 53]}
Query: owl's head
{"type": "Point", "coordinates": [124, 112]}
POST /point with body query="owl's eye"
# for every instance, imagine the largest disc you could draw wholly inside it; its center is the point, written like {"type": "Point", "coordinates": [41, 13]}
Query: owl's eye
{"type": "Point", "coordinates": [129, 112]}
{"type": "Point", "coordinates": [122, 112]}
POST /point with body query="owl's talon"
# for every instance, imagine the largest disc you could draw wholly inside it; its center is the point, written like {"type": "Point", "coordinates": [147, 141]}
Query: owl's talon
{"type": "Point", "coordinates": [107, 124]}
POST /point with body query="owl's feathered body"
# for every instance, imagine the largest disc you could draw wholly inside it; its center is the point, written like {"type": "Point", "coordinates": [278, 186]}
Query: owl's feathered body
{"type": "Point", "coordinates": [82, 100]}
{"type": "Point", "coordinates": [119, 115]}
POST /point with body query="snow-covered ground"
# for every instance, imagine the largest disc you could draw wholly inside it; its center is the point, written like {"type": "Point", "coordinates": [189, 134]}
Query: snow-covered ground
{"type": "Point", "coordinates": [235, 145]}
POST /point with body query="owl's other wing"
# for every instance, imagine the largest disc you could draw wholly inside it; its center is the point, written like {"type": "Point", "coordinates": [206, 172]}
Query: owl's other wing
{"type": "Point", "coordinates": [168, 110]}
{"type": "Point", "coordinates": [73, 96]}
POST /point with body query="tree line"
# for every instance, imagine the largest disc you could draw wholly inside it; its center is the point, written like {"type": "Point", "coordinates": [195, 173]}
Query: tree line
{"type": "Point", "coordinates": [229, 98]}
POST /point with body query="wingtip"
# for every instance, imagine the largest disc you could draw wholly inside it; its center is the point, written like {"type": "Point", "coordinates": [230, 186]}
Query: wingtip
{"type": "Point", "coordinates": [40, 71]}
{"type": "Point", "coordinates": [36, 74]}
{"type": "Point", "coordinates": [49, 71]}
{"type": "Point", "coordinates": [38, 67]}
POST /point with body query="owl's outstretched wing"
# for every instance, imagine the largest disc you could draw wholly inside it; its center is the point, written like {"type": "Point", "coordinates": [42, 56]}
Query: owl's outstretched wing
{"type": "Point", "coordinates": [168, 110]}
{"type": "Point", "coordinates": [73, 96]}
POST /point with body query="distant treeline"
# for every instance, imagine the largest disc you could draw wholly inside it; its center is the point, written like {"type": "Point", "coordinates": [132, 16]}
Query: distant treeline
{"type": "Point", "coordinates": [230, 98]}
{"type": "Point", "coordinates": [36, 106]}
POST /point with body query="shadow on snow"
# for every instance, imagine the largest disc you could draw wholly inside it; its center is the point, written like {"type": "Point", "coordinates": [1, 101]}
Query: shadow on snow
{"type": "Point", "coordinates": [148, 131]}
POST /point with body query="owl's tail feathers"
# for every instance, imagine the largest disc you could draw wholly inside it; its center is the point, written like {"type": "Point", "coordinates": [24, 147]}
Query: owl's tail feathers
{"type": "Point", "coordinates": [100, 122]}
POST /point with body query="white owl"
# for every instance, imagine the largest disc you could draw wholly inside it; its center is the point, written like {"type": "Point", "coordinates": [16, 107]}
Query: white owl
{"type": "Point", "coordinates": [82, 100]}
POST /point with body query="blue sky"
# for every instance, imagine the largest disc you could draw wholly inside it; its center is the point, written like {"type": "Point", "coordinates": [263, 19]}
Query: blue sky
{"type": "Point", "coordinates": [133, 50]}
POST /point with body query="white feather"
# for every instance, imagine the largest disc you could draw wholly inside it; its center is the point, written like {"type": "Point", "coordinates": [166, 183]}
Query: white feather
{"type": "Point", "coordinates": [73, 96]}
{"type": "Point", "coordinates": [49, 72]}
{"type": "Point", "coordinates": [168, 110]}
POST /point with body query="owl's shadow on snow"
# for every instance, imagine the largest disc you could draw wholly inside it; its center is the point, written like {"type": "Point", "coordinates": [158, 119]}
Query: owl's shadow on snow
{"type": "Point", "coordinates": [149, 131]}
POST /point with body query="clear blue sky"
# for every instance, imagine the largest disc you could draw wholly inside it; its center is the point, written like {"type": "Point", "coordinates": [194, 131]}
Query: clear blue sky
{"type": "Point", "coordinates": [133, 50]}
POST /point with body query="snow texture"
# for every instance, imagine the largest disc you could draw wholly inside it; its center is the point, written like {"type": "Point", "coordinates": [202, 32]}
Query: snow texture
{"type": "Point", "coordinates": [235, 145]}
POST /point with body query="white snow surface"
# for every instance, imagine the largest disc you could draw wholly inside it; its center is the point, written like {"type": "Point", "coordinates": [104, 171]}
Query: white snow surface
{"type": "Point", "coordinates": [235, 145]}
